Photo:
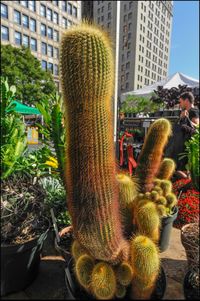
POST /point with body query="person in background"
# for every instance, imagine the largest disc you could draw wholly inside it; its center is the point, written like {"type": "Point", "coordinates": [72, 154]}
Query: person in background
{"type": "Point", "coordinates": [189, 119]}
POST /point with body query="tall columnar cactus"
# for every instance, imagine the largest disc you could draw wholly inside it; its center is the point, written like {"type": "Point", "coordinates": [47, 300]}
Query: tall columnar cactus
{"type": "Point", "coordinates": [167, 169]}
{"type": "Point", "coordinates": [151, 155]}
{"type": "Point", "coordinates": [87, 84]}
{"type": "Point", "coordinates": [146, 265]}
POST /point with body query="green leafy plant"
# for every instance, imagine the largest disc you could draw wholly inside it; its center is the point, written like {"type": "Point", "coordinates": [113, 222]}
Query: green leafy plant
{"type": "Point", "coordinates": [53, 129]}
{"type": "Point", "coordinates": [13, 140]}
{"type": "Point", "coordinates": [139, 104]}
{"type": "Point", "coordinates": [192, 151]}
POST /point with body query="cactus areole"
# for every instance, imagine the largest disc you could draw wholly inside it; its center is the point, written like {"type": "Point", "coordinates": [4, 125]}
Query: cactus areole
{"type": "Point", "coordinates": [87, 84]}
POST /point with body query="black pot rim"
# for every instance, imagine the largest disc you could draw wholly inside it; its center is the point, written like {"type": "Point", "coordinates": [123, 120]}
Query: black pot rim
{"type": "Point", "coordinates": [12, 248]}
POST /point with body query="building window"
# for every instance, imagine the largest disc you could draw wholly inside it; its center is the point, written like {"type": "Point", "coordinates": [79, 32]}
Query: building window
{"type": "Point", "coordinates": [55, 18]}
{"type": "Point", "coordinates": [42, 10]}
{"type": "Point", "coordinates": [50, 51]}
{"type": "Point", "coordinates": [24, 3]}
{"type": "Point", "coordinates": [33, 25]}
{"type": "Point", "coordinates": [128, 54]}
{"type": "Point", "coordinates": [25, 41]}
{"type": "Point", "coordinates": [32, 5]}
{"type": "Point", "coordinates": [64, 22]}
{"type": "Point", "coordinates": [33, 44]}
{"type": "Point", "coordinates": [44, 65]}
{"type": "Point", "coordinates": [109, 16]}
{"type": "Point", "coordinates": [129, 16]}
{"type": "Point", "coordinates": [50, 67]}
{"type": "Point", "coordinates": [56, 53]}
{"type": "Point", "coordinates": [127, 85]}
{"type": "Point", "coordinates": [108, 25]}
{"type": "Point", "coordinates": [44, 48]}
{"type": "Point", "coordinates": [69, 8]}
{"type": "Point", "coordinates": [4, 11]}
{"type": "Point", "coordinates": [43, 30]}
{"type": "Point", "coordinates": [74, 11]}
{"type": "Point", "coordinates": [56, 3]}
{"type": "Point", "coordinates": [125, 18]}
{"type": "Point", "coordinates": [17, 17]}
{"type": "Point", "coordinates": [128, 65]}
{"type": "Point", "coordinates": [64, 5]}
{"type": "Point", "coordinates": [127, 76]}
{"type": "Point", "coordinates": [18, 38]}
{"type": "Point", "coordinates": [130, 4]}
{"type": "Point", "coordinates": [102, 18]}
{"type": "Point", "coordinates": [69, 23]}
{"type": "Point", "coordinates": [56, 69]}
{"type": "Point", "coordinates": [124, 7]}
{"type": "Point", "coordinates": [4, 33]}
{"type": "Point", "coordinates": [129, 35]}
{"type": "Point", "coordinates": [49, 14]}
{"type": "Point", "coordinates": [25, 21]}
{"type": "Point", "coordinates": [50, 33]}
{"type": "Point", "coordinates": [56, 36]}
{"type": "Point", "coordinates": [109, 5]}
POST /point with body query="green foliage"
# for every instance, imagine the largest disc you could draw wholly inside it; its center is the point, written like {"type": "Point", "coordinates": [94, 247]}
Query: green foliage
{"type": "Point", "coordinates": [55, 198]}
{"type": "Point", "coordinates": [192, 150]}
{"type": "Point", "coordinates": [139, 104]}
{"type": "Point", "coordinates": [13, 135]}
{"type": "Point", "coordinates": [24, 71]}
{"type": "Point", "coordinates": [34, 163]}
{"type": "Point", "coordinates": [53, 129]}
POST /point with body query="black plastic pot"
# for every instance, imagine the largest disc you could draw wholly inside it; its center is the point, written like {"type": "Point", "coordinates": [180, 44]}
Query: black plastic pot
{"type": "Point", "coordinates": [191, 286]}
{"type": "Point", "coordinates": [20, 264]}
{"type": "Point", "coordinates": [75, 292]}
{"type": "Point", "coordinates": [165, 231]}
{"type": "Point", "coordinates": [64, 247]}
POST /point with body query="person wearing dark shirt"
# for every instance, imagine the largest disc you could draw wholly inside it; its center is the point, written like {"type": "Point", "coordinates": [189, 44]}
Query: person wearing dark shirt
{"type": "Point", "coordinates": [189, 119]}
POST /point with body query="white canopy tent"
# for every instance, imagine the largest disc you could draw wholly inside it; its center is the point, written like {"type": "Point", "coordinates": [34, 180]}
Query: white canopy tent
{"type": "Point", "coordinates": [167, 83]}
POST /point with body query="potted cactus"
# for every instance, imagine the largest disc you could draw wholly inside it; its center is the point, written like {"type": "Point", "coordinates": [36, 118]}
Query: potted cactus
{"type": "Point", "coordinates": [116, 222]}
{"type": "Point", "coordinates": [24, 226]}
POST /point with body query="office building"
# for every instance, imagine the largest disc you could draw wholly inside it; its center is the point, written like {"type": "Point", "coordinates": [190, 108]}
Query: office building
{"type": "Point", "coordinates": [39, 25]}
{"type": "Point", "coordinates": [144, 39]}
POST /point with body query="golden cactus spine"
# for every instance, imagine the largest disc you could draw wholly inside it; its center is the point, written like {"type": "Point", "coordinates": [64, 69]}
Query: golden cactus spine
{"type": "Point", "coordinates": [128, 190]}
{"type": "Point", "coordinates": [87, 84]}
{"type": "Point", "coordinates": [146, 265]}
{"type": "Point", "coordinates": [167, 169]}
{"type": "Point", "coordinates": [151, 155]}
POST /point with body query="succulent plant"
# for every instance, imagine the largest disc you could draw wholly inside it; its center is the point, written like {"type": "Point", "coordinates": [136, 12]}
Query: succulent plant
{"type": "Point", "coordinates": [167, 169]}
{"type": "Point", "coordinates": [151, 154]}
{"type": "Point", "coordinates": [87, 84]}
{"type": "Point", "coordinates": [103, 281]}
{"type": "Point", "coordinates": [83, 269]}
{"type": "Point", "coordinates": [124, 273]}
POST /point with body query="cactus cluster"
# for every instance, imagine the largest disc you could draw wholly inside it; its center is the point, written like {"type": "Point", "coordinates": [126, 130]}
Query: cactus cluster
{"type": "Point", "coordinates": [109, 253]}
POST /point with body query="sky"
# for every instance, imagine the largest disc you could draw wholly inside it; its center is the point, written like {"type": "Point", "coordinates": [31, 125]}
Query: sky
{"type": "Point", "coordinates": [184, 54]}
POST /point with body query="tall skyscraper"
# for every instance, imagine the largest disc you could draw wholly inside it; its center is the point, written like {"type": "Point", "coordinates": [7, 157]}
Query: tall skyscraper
{"type": "Point", "coordinates": [144, 39]}
{"type": "Point", "coordinates": [39, 25]}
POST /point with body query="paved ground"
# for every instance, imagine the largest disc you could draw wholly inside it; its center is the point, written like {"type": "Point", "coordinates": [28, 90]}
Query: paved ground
{"type": "Point", "coordinates": [50, 283]}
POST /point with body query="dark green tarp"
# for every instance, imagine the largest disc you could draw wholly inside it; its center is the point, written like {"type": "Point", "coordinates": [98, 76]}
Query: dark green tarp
{"type": "Point", "coordinates": [23, 109]}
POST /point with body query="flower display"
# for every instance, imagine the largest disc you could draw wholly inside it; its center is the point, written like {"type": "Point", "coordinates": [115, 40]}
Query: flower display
{"type": "Point", "coordinates": [188, 204]}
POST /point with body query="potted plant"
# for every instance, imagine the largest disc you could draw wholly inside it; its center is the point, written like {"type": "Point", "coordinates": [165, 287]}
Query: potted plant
{"type": "Point", "coordinates": [23, 225]}
{"type": "Point", "coordinates": [190, 241]}
{"type": "Point", "coordinates": [107, 263]}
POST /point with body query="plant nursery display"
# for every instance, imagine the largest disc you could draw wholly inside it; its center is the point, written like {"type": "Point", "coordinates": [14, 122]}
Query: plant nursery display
{"type": "Point", "coordinates": [23, 222]}
{"type": "Point", "coordinates": [116, 219]}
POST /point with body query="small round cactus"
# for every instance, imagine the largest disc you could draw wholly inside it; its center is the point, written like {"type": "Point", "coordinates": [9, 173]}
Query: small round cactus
{"type": "Point", "coordinates": [166, 186]}
{"type": "Point", "coordinates": [120, 291]}
{"type": "Point", "coordinates": [124, 273]}
{"type": "Point", "coordinates": [77, 250]}
{"type": "Point", "coordinates": [161, 201]}
{"type": "Point", "coordinates": [103, 281]}
{"type": "Point", "coordinates": [83, 269]}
